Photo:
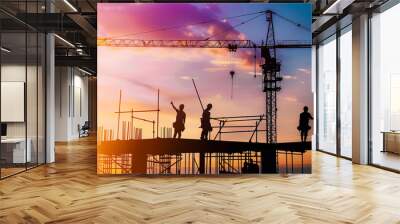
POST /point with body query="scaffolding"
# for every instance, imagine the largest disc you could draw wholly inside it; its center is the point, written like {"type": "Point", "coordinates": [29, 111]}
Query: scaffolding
{"type": "Point", "coordinates": [222, 162]}
{"type": "Point", "coordinates": [134, 117]}
{"type": "Point", "coordinates": [122, 163]}
{"type": "Point", "coordinates": [249, 159]}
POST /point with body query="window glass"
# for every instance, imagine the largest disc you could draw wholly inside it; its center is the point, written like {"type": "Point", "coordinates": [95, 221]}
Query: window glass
{"type": "Point", "coordinates": [327, 96]}
{"type": "Point", "coordinates": [14, 153]}
{"type": "Point", "coordinates": [346, 93]}
{"type": "Point", "coordinates": [22, 90]}
{"type": "Point", "coordinates": [385, 89]}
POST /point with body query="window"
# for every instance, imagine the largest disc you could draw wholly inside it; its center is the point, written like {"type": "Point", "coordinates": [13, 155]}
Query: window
{"type": "Point", "coordinates": [385, 89]}
{"type": "Point", "coordinates": [327, 95]}
{"type": "Point", "coordinates": [22, 88]}
{"type": "Point", "coordinates": [346, 92]}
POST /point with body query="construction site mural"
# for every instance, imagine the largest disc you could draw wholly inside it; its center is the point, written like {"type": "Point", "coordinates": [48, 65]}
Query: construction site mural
{"type": "Point", "coordinates": [190, 88]}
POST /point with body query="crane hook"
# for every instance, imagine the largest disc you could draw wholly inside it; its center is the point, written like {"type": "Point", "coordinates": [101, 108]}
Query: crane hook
{"type": "Point", "coordinates": [232, 74]}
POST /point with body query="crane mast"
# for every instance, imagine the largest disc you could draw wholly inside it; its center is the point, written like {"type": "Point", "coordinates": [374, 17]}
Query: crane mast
{"type": "Point", "coordinates": [271, 79]}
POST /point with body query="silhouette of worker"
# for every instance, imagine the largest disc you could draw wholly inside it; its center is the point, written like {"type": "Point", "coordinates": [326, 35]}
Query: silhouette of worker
{"type": "Point", "coordinates": [304, 126]}
{"type": "Point", "coordinates": [179, 124]}
{"type": "Point", "coordinates": [206, 123]}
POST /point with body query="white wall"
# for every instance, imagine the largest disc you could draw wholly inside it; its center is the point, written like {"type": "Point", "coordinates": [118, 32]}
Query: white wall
{"type": "Point", "coordinates": [12, 73]}
{"type": "Point", "coordinates": [80, 112]}
{"type": "Point", "coordinates": [33, 126]}
{"type": "Point", "coordinates": [71, 102]}
{"type": "Point", "coordinates": [62, 82]}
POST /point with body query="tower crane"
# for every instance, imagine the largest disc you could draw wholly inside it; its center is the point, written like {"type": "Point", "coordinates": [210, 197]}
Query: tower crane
{"type": "Point", "coordinates": [270, 68]}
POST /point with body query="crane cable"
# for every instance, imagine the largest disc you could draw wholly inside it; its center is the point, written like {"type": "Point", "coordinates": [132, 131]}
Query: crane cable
{"type": "Point", "coordinates": [231, 51]}
{"type": "Point", "coordinates": [292, 22]}
{"type": "Point", "coordinates": [189, 24]}
{"type": "Point", "coordinates": [234, 26]}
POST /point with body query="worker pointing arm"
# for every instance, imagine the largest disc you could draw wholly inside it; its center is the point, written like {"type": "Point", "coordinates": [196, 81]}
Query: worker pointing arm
{"type": "Point", "coordinates": [179, 124]}
{"type": "Point", "coordinates": [173, 106]}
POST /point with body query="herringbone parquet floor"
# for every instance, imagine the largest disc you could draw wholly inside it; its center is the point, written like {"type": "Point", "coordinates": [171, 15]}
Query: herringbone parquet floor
{"type": "Point", "coordinates": [69, 191]}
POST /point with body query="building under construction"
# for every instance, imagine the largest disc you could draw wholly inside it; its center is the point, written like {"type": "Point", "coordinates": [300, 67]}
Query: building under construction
{"type": "Point", "coordinates": [163, 155]}
{"type": "Point", "coordinates": [125, 152]}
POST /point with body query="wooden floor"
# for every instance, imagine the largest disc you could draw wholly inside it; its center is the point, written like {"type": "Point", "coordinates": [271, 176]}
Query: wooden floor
{"type": "Point", "coordinates": [69, 191]}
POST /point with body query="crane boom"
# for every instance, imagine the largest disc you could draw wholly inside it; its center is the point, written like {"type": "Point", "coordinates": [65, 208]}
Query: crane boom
{"type": "Point", "coordinates": [109, 42]}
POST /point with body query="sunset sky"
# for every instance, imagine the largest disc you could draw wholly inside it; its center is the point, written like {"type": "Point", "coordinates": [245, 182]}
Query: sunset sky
{"type": "Point", "coordinates": [139, 72]}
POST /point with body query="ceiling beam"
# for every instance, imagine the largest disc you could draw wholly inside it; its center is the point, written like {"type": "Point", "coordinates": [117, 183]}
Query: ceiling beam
{"type": "Point", "coordinates": [79, 61]}
{"type": "Point", "coordinates": [83, 23]}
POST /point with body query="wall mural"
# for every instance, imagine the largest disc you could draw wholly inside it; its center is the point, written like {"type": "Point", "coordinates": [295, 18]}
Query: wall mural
{"type": "Point", "coordinates": [190, 88]}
